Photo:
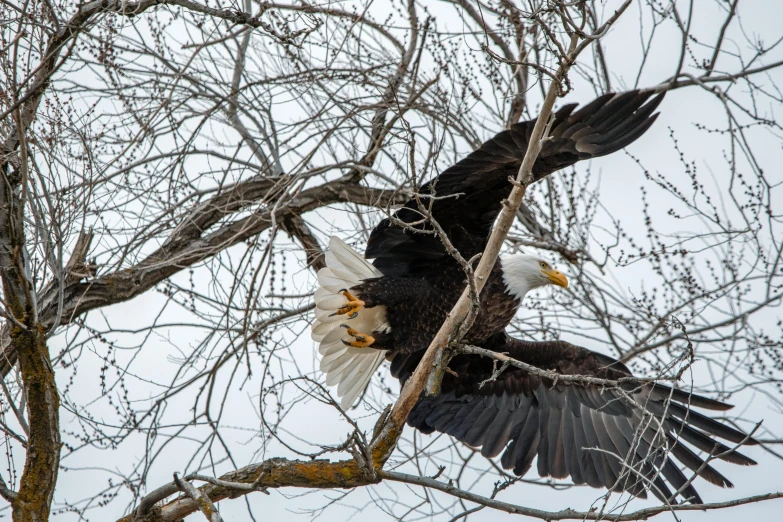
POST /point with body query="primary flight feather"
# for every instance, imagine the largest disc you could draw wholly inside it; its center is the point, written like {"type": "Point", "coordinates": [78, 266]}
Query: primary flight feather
{"type": "Point", "coordinates": [622, 439]}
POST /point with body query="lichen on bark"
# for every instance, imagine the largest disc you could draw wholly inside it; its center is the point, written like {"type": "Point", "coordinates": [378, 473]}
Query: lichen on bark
{"type": "Point", "coordinates": [28, 338]}
{"type": "Point", "coordinates": [36, 490]}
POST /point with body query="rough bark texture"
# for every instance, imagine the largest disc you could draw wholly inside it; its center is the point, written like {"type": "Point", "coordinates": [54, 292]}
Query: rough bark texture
{"type": "Point", "coordinates": [194, 241]}
{"type": "Point", "coordinates": [43, 449]}
{"type": "Point", "coordinates": [265, 200]}
{"type": "Point", "coordinates": [274, 473]}
{"type": "Point", "coordinates": [27, 338]}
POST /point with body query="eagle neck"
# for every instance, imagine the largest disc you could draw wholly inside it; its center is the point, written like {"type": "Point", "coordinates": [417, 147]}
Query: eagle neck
{"type": "Point", "coordinates": [515, 279]}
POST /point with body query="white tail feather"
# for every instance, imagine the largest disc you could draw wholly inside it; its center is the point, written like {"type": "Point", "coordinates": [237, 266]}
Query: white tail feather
{"type": "Point", "coordinates": [350, 369]}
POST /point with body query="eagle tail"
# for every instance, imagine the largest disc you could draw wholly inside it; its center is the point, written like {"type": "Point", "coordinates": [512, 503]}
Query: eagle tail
{"type": "Point", "coordinates": [349, 368]}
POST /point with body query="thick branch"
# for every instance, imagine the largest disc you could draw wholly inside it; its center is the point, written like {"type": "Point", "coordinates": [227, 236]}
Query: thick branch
{"type": "Point", "coordinates": [28, 341]}
{"type": "Point", "coordinates": [416, 383]}
{"type": "Point", "coordinates": [323, 474]}
{"type": "Point", "coordinates": [434, 357]}
{"type": "Point", "coordinates": [297, 228]}
{"type": "Point", "coordinates": [190, 244]}
{"type": "Point", "coordinates": [273, 473]}
{"type": "Point", "coordinates": [203, 502]}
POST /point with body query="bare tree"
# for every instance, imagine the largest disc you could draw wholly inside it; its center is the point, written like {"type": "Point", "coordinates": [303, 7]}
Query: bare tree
{"type": "Point", "coordinates": [171, 170]}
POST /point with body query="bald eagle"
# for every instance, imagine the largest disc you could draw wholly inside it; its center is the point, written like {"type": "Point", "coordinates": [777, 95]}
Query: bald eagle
{"type": "Point", "coordinates": [392, 308]}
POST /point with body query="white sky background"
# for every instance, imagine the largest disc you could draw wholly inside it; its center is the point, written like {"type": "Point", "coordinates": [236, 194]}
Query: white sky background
{"type": "Point", "coordinates": [620, 194]}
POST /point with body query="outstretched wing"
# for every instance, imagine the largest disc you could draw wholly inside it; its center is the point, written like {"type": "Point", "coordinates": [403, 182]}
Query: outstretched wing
{"type": "Point", "coordinates": [621, 439]}
{"type": "Point", "coordinates": [470, 192]}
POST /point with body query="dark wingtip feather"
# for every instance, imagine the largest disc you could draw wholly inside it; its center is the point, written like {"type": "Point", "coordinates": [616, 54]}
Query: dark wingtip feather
{"type": "Point", "coordinates": [661, 490]}
{"type": "Point", "coordinates": [697, 420]}
{"type": "Point", "coordinates": [618, 110]}
{"type": "Point", "coordinates": [628, 119]}
{"type": "Point", "coordinates": [735, 457]}
{"type": "Point", "coordinates": [592, 107]}
{"type": "Point", "coordinates": [603, 126]}
{"type": "Point", "coordinates": [707, 444]}
{"type": "Point", "coordinates": [565, 111]}
{"type": "Point", "coordinates": [692, 399]}
{"type": "Point", "coordinates": [697, 465]}
{"type": "Point", "coordinates": [656, 101]}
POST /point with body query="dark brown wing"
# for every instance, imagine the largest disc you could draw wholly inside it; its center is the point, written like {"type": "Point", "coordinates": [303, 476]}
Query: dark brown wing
{"type": "Point", "coordinates": [474, 188]}
{"type": "Point", "coordinates": [576, 430]}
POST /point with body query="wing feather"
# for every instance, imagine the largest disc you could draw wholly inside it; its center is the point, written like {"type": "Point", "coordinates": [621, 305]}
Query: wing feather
{"type": "Point", "coordinates": [583, 454]}
{"type": "Point", "coordinates": [556, 451]}
{"type": "Point", "coordinates": [476, 432]}
{"type": "Point", "coordinates": [470, 192]}
{"type": "Point", "coordinates": [570, 451]}
{"type": "Point", "coordinates": [627, 440]}
{"type": "Point", "coordinates": [497, 433]}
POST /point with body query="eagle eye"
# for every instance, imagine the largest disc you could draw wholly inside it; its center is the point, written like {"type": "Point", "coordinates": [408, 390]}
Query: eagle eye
{"type": "Point", "coordinates": [543, 265]}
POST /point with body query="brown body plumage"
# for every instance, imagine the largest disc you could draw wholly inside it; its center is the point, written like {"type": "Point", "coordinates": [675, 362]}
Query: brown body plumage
{"type": "Point", "coordinates": [586, 431]}
{"type": "Point", "coordinates": [421, 281]}
{"type": "Point", "coordinates": [416, 307]}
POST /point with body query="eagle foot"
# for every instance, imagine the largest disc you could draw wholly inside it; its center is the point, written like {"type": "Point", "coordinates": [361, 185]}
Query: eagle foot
{"type": "Point", "coordinates": [351, 308]}
{"type": "Point", "coordinates": [362, 340]}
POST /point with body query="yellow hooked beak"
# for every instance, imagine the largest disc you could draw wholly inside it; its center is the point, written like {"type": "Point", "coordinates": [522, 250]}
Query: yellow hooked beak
{"type": "Point", "coordinates": [556, 277]}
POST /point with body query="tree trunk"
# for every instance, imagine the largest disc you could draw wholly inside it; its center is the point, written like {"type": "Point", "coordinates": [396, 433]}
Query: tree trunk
{"type": "Point", "coordinates": [36, 489]}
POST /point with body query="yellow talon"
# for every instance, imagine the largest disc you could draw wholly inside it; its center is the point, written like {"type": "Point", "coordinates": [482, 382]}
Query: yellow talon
{"type": "Point", "coordinates": [351, 308]}
{"type": "Point", "coordinates": [362, 340]}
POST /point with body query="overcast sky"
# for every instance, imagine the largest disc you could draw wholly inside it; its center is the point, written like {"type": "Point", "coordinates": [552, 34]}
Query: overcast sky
{"type": "Point", "coordinates": [620, 182]}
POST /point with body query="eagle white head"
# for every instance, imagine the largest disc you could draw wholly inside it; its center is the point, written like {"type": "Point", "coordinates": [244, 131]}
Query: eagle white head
{"type": "Point", "coordinates": [525, 272]}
